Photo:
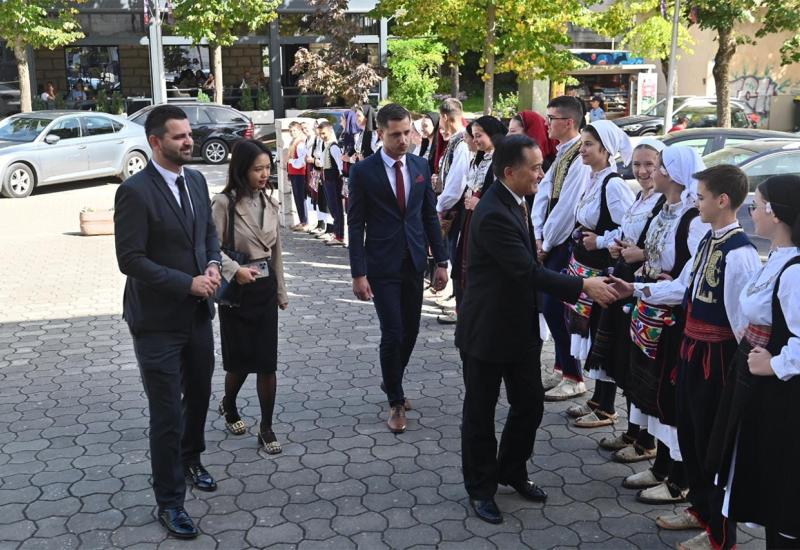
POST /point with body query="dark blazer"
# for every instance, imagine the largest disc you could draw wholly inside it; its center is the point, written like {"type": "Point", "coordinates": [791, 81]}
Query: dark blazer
{"type": "Point", "coordinates": [159, 253]}
{"type": "Point", "coordinates": [379, 233]}
{"type": "Point", "coordinates": [498, 320]}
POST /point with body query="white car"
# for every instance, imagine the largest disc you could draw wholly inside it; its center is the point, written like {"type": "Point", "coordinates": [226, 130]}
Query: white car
{"type": "Point", "coordinates": [46, 147]}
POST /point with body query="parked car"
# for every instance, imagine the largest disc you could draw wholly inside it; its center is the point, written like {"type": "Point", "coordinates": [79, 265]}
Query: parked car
{"type": "Point", "coordinates": [708, 140]}
{"type": "Point", "coordinates": [759, 160]}
{"type": "Point", "coordinates": [215, 128]}
{"type": "Point", "coordinates": [46, 147]}
{"type": "Point", "coordinates": [701, 112]}
{"type": "Point", "coordinates": [9, 100]}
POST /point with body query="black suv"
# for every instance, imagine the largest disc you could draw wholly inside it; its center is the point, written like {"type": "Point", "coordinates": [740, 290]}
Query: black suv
{"type": "Point", "coordinates": [215, 128]}
{"type": "Point", "coordinates": [701, 112]}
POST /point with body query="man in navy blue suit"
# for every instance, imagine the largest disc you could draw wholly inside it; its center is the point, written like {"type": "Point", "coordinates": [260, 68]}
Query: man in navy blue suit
{"type": "Point", "coordinates": [392, 219]}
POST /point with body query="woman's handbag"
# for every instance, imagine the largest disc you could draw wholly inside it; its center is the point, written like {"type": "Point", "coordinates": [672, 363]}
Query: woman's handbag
{"type": "Point", "coordinates": [230, 292]}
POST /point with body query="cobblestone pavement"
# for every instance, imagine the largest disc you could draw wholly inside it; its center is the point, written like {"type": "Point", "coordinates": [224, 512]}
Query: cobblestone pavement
{"type": "Point", "coordinates": [74, 468]}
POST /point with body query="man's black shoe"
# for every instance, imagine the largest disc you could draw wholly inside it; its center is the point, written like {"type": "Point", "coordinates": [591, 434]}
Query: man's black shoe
{"type": "Point", "coordinates": [177, 522]}
{"type": "Point", "coordinates": [487, 510]}
{"type": "Point", "coordinates": [527, 490]}
{"type": "Point", "coordinates": [200, 477]}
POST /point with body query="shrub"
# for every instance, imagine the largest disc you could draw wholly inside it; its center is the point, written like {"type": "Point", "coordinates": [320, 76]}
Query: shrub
{"type": "Point", "coordinates": [246, 101]}
{"type": "Point", "coordinates": [413, 72]}
{"type": "Point", "coordinates": [263, 101]}
{"type": "Point", "coordinates": [203, 97]}
{"type": "Point", "coordinates": [101, 101]}
{"type": "Point", "coordinates": [506, 105]}
{"type": "Point", "coordinates": [117, 103]}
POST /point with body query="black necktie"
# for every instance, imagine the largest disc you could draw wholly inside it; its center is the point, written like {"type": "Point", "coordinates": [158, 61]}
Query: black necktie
{"type": "Point", "coordinates": [185, 204]}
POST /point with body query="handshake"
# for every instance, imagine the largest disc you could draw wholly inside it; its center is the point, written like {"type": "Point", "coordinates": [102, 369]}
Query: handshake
{"type": "Point", "coordinates": [601, 290]}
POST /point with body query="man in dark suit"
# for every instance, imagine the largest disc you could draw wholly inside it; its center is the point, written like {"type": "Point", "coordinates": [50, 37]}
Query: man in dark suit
{"type": "Point", "coordinates": [498, 329]}
{"type": "Point", "coordinates": [391, 219]}
{"type": "Point", "coordinates": [168, 247]}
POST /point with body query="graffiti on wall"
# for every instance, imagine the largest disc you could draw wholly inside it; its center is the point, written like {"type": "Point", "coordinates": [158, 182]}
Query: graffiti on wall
{"type": "Point", "coordinates": [756, 88]}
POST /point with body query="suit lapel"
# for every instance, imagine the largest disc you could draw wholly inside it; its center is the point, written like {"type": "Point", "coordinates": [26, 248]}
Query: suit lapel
{"type": "Point", "coordinates": [516, 211]}
{"type": "Point", "coordinates": [162, 188]}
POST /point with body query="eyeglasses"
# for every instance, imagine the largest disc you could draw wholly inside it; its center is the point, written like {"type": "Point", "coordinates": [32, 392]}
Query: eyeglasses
{"type": "Point", "coordinates": [551, 118]}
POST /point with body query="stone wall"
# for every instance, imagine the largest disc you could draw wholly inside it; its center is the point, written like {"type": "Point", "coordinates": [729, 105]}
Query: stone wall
{"type": "Point", "coordinates": [235, 59]}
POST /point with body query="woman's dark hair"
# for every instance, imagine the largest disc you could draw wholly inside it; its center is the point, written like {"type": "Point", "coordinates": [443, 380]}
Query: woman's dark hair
{"type": "Point", "coordinates": [783, 194]}
{"type": "Point", "coordinates": [510, 152]}
{"type": "Point", "coordinates": [491, 126]}
{"type": "Point", "coordinates": [589, 129]}
{"type": "Point", "coordinates": [243, 156]}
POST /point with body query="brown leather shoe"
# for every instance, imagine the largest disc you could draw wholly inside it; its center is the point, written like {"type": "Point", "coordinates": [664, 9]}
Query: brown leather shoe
{"type": "Point", "coordinates": [406, 405]}
{"type": "Point", "coordinates": [397, 419]}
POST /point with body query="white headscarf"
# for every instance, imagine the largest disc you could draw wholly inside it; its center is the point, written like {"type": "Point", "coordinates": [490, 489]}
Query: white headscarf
{"type": "Point", "coordinates": [614, 140]}
{"type": "Point", "coordinates": [682, 162]}
{"type": "Point", "coordinates": [653, 143]}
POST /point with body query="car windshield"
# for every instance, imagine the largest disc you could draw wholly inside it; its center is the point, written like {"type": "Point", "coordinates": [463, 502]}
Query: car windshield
{"type": "Point", "coordinates": [22, 129]}
{"type": "Point", "coordinates": [729, 155]}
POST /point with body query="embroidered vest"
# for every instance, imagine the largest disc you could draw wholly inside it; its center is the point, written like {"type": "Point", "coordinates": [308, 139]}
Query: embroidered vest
{"type": "Point", "coordinates": [561, 168]}
{"type": "Point", "coordinates": [447, 158]}
{"type": "Point", "coordinates": [704, 300]}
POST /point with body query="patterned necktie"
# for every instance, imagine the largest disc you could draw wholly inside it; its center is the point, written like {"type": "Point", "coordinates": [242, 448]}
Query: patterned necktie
{"type": "Point", "coordinates": [401, 187]}
{"type": "Point", "coordinates": [185, 204]}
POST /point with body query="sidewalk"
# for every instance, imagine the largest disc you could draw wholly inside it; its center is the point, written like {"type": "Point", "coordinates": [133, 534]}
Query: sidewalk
{"type": "Point", "coordinates": [74, 470]}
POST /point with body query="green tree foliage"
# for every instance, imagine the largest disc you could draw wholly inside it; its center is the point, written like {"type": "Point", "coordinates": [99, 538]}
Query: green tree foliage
{"type": "Point", "coordinates": [39, 24]}
{"type": "Point", "coordinates": [413, 66]}
{"type": "Point", "coordinates": [341, 69]}
{"type": "Point", "coordinates": [724, 17]}
{"type": "Point", "coordinates": [220, 22]}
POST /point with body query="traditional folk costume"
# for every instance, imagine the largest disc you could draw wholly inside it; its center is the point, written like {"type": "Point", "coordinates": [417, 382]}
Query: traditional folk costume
{"type": "Point", "coordinates": [296, 169]}
{"type": "Point", "coordinates": [332, 168]}
{"type": "Point", "coordinates": [553, 217]}
{"type": "Point", "coordinates": [316, 202]}
{"type": "Point", "coordinates": [601, 209]}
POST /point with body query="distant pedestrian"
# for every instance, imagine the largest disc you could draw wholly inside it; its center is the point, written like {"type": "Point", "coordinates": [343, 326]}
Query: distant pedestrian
{"type": "Point", "coordinates": [681, 124]}
{"type": "Point", "coordinates": [296, 169]}
{"type": "Point", "coordinates": [389, 237]}
{"type": "Point", "coordinates": [598, 109]}
{"type": "Point", "coordinates": [248, 218]}
{"type": "Point", "coordinates": [167, 245]}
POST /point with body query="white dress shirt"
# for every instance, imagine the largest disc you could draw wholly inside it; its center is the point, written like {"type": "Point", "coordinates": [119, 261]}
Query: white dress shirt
{"type": "Point", "coordinates": [756, 299]}
{"type": "Point", "coordinates": [302, 151]}
{"type": "Point", "coordinates": [556, 228]}
{"type": "Point", "coordinates": [619, 199]}
{"type": "Point", "coordinates": [455, 179]}
{"type": "Point", "coordinates": [388, 164]}
{"type": "Point", "coordinates": [633, 222]}
{"type": "Point", "coordinates": [740, 265]}
{"type": "Point", "coordinates": [170, 177]}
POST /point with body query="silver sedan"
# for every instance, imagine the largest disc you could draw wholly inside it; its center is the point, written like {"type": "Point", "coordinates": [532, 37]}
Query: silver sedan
{"type": "Point", "coordinates": [46, 147]}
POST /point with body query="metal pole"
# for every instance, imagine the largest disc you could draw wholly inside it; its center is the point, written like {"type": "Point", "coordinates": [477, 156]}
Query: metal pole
{"type": "Point", "coordinates": [158, 81]}
{"type": "Point", "coordinates": [673, 69]}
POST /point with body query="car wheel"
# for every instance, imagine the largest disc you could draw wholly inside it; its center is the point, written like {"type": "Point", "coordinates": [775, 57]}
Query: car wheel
{"type": "Point", "coordinates": [134, 162]}
{"type": "Point", "coordinates": [215, 152]}
{"type": "Point", "coordinates": [649, 133]}
{"type": "Point", "coordinates": [19, 181]}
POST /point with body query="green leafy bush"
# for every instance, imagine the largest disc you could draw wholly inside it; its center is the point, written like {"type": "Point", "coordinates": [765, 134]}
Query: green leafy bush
{"type": "Point", "coordinates": [413, 72]}
{"type": "Point", "coordinates": [246, 101]}
{"type": "Point", "coordinates": [101, 102]}
{"type": "Point", "coordinates": [263, 101]}
{"type": "Point", "coordinates": [506, 105]}
{"type": "Point", "coordinates": [117, 103]}
{"type": "Point", "coordinates": [203, 97]}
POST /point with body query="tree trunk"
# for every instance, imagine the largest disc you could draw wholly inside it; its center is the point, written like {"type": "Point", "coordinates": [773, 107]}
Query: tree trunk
{"type": "Point", "coordinates": [721, 71]}
{"type": "Point", "coordinates": [217, 63]}
{"type": "Point", "coordinates": [25, 95]}
{"type": "Point", "coordinates": [665, 70]}
{"type": "Point", "coordinates": [455, 77]}
{"type": "Point", "coordinates": [488, 54]}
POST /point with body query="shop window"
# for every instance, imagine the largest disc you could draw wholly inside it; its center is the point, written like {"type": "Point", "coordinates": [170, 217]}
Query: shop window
{"type": "Point", "coordinates": [303, 24]}
{"type": "Point", "coordinates": [97, 67]}
{"type": "Point", "coordinates": [186, 67]}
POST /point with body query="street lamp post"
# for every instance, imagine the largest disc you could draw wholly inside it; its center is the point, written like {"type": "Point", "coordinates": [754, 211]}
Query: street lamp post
{"type": "Point", "coordinates": [673, 69]}
{"type": "Point", "coordinates": [158, 81]}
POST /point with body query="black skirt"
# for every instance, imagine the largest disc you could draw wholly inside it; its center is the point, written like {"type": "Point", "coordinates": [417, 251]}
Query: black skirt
{"type": "Point", "coordinates": [249, 333]}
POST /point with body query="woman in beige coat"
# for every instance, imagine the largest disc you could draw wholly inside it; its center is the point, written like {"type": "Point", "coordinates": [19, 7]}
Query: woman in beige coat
{"type": "Point", "coordinates": [249, 330]}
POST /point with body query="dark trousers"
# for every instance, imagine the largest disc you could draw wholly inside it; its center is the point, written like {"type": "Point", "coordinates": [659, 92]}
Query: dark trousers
{"type": "Point", "coordinates": [483, 466]}
{"type": "Point", "coordinates": [398, 302]}
{"type": "Point", "coordinates": [299, 194]}
{"type": "Point", "coordinates": [176, 369]}
{"type": "Point", "coordinates": [333, 194]}
{"type": "Point", "coordinates": [553, 310]}
{"type": "Point", "coordinates": [776, 541]}
{"type": "Point", "coordinates": [697, 403]}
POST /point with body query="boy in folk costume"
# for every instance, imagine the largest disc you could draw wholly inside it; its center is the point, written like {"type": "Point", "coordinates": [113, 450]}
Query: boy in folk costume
{"type": "Point", "coordinates": [711, 283]}
{"type": "Point", "coordinates": [296, 168]}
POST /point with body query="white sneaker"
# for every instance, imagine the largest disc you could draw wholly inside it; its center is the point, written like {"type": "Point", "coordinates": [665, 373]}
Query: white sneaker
{"type": "Point", "coordinates": [700, 542]}
{"type": "Point", "coordinates": [325, 237]}
{"type": "Point", "coordinates": [566, 389]}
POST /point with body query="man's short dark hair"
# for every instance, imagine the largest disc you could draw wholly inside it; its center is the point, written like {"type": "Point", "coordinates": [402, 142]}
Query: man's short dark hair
{"type": "Point", "coordinates": [324, 124]}
{"type": "Point", "coordinates": [156, 123]}
{"type": "Point", "coordinates": [727, 179]}
{"type": "Point", "coordinates": [451, 107]}
{"type": "Point", "coordinates": [510, 152]}
{"type": "Point", "coordinates": [392, 111]}
{"type": "Point", "coordinates": [570, 107]}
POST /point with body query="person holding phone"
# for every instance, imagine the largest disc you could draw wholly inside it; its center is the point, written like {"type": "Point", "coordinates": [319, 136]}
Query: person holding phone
{"type": "Point", "coordinates": [249, 331]}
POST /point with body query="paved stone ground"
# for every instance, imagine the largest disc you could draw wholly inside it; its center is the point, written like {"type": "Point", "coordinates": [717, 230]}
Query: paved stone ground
{"type": "Point", "coordinates": [74, 468]}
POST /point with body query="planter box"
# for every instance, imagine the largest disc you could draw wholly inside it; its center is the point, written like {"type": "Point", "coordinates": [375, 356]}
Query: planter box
{"type": "Point", "coordinates": [97, 222]}
{"type": "Point", "coordinates": [261, 117]}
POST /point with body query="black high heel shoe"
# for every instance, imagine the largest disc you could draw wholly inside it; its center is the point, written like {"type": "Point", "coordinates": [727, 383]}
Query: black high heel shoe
{"type": "Point", "coordinates": [237, 427]}
{"type": "Point", "coordinates": [268, 442]}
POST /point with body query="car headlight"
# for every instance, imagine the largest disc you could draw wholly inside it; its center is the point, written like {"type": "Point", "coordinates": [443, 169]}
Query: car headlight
{"type": "Point", "coordinates": [631, 127]}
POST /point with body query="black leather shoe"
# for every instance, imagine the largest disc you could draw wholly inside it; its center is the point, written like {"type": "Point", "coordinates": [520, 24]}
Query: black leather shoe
{"type": "Point", "coordinates": [528, 490]}
{"type": "Point", "coordinates": [200, 477]}
{"type": "Point", "coordinates": [177, 522]}
{"type": "Point", "coordinates": [487, 510]}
